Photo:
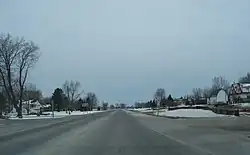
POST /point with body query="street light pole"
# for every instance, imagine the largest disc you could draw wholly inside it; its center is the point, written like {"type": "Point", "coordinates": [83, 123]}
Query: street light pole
{"type": "Point", "coordinates": [53, 114]}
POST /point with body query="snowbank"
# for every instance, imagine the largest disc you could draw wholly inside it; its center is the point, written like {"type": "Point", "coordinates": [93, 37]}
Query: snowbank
{"type": "Point", "coordinates": [191, 113]}
{"type": "Point", "coordinates": [197, 105]}
{"type": "Point", "coordinates": [33, 117]}
{"type": "Point", "coordinates": [74, 113]}
{"type": "Point", "coordinates": [244, 105]}
{"type": "Point", "coordinates": [49, 115]}
{"type": "Point", "coordinates": [143, 109]}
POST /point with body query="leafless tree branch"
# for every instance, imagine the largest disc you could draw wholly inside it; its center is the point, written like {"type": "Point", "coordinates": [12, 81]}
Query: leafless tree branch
{"type": "Point", "coordinates": [17, 56]}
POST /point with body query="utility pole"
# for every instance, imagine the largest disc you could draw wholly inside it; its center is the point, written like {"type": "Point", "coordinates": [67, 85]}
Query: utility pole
{"type": "Point", "coordinates": [53, 114]}
{"type": "Point", "coordinates": [158, 107]}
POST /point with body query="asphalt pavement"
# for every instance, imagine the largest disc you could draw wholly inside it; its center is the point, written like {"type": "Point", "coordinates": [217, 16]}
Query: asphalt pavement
{"type": "Point", "coordinates": [125, 133]}
{"type": "Point", "coordinates": [13, 126]}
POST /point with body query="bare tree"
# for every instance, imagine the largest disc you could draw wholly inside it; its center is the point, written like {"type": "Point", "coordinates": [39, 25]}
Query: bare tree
{"type": "Point", "coordinates": [206, 92]}
{"type": "Point", "coordinates": [46, 100]}
{"type": "Point", "coordinates": [72, 90]}
{"type": "Point", "coordinates": [32, 93]}
{"type": "Point", "coordinates": [160, 94]}
{"type": "Point", "coordinates": [91, 99]}
{"type": "Point", "coordinates": [17, 56]}
{"type": "Point", "coordinates": [220, 83]}
{"type": "Point", "coordinates": [197, 93]}
{"type": "Point", "coordinates": [245, 79]}
{"type": "Point", "coordinates": [105, 105]}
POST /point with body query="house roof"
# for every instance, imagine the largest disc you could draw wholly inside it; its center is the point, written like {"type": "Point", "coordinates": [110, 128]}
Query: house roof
{"type": "Point", "coordinates": [46, 106]}
{"type": "Point", "coordinates": [214, 93]}
{"type": "Point", "coordinates": [245, 84]}
{"type": "Point", "coordinates": [31, 102]}
{"type": "Point", "coordinates": [239, 88]}
{"type": "Point", "coordinates": [85, 104]}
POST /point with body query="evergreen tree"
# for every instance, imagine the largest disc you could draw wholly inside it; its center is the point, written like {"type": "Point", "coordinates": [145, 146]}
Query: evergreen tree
{"type": "Point", "coordinates": [170, 98]}
{"type": "Point", "coordinates": [57, 98]}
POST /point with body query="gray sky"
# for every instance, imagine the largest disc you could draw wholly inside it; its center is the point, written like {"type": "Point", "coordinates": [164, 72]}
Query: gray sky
{"type": "Point", "coordinates": [125, 49]}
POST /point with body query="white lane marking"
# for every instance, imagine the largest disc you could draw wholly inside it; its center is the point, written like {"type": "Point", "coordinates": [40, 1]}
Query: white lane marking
{"type": "Point", "coordinates": [170, 137]}
{"type": "Point", "coordinates": [182, 142]}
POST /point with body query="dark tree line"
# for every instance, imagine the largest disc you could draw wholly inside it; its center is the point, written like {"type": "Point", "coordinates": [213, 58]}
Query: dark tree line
{"type": "Point", "coordinates": [245, 79]}
{"type": "Point", "coordinates": [62, 102]}
{"type": "Point", "coordinates": [159, 98]}
{"type": "Point", "coordinates": [218, 83]}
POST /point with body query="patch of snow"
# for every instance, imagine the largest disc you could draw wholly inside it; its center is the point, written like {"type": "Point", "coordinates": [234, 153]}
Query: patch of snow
{"type": "Point", "coordinates": [184, 106]}
{"type": "Point", "coordinates": [74, 113]}
{"type": "Point", "coordinates": [200, 105]}
{"type": "Point", "coordinates": [46, 106]}
{"type": "Point", "coordinates": [143, 109]}
{"type": "Point", "coordinates": [190, 113]}
{"type": "Point", "coordinates": [245, 113]}
{"type": "Point", "coordinates": [244, 104]}
{"type": "Point", "coordinates": [34, 117]}
{"type": "Point", "coordinates": [48, 115]}
{"type": "Point", "coordinates": [246, 85]}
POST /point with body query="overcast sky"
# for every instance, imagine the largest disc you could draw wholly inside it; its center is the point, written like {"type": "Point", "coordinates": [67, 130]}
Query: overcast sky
{"type": "Point", "coordinates": [125, 49]}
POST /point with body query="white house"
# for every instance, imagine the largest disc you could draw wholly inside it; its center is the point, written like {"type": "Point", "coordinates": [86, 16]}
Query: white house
{"type": "Point", "coordinates": [218, 97]}
{"type": "Point", "coordinates": [31, 106]}
{"type": "Point", "coordinates": [222, 96]}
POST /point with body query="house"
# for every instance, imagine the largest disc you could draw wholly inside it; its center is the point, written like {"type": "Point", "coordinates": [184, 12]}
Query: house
{"type": "Point", "coordinates": [84, 106]}
{"type": "Point", "coordinates": [240, 93]}
{"type": "Point", "coordinates": [201, 101]}
{"type": "Point", "coordinates": [179, 101]}
{"type": "Point", "coordinates": [30, 107]}
{"type": "Point", "coordinates": [218, 97]}
{"type": "Point", "coordinates": [46, 107]}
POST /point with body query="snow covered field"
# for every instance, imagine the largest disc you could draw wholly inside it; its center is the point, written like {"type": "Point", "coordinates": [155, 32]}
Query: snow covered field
{"type": "Point", "coordinates": [49, 115]}
{"type": "Point", "coordinates": [244, 105]}
{"type": "Point", "coordinates": [144, 109]}
{"type": "Point", "coordinates": [74, 113]}
{"type": "Point", "coordinates": [190, 113]}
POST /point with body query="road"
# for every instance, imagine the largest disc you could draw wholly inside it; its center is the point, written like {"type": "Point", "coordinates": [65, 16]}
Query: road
{"type": "Point", "coordinates": [13, 126]}
{"type": "Point", "coordinates": [127, 133]}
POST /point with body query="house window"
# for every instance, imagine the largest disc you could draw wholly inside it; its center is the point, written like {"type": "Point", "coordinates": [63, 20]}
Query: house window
{"type": "Point", "coordinates": [32, 106]}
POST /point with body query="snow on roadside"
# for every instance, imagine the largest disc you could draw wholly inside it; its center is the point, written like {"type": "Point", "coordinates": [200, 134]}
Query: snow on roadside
{"type": "Point", "coordinates": [74, 113]}
{"type": "Point", "coordinates": [191, 113]}
{"type": "Point", "coordinates": [49, 115]}
{"type": "Point", "coordinates": [143, 109]}
{"type": "Point", "coordinates": [33, 117]}
{"type": "Point", "coordinates": [244, 105]}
